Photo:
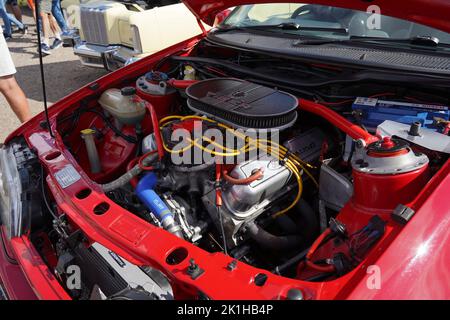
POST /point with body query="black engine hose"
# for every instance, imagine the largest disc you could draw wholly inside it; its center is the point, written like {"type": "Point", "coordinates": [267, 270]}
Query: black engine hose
{"type": "Point", "coordinates": [273, 242]}
{"type": "Point", "coordinates": [308, 221]}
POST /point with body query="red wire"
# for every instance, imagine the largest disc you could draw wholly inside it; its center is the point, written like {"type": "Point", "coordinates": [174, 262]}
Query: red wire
{"type": "Point", "coordinates": [255, 176]}
{"type": "Point", "coordinates": [156, 131]}
{"type": "Point", "coordinates": [141, 159]}
{"type": "Point", "coordinates": [218, 191]}
{"type": "Point", "coordinates": [312, 250]}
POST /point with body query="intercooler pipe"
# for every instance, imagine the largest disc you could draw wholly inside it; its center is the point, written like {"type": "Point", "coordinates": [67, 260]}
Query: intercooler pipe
{"type": "Point", "coordinates": [273, 242]}
{"type": "Point", "coordinates": [181, 84]}
{"type": "Point", "coordinates": [144, 191]}
{"type": "Point", "coordinates": [353, 130]}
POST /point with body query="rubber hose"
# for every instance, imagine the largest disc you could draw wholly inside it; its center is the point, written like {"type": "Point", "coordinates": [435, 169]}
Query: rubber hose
{"type": "Point", "coordinates": [127, 177]}
{"type": "Point", "coordinates": [273, 242]}
{"type": "Point", "coordinates": [308, 219]}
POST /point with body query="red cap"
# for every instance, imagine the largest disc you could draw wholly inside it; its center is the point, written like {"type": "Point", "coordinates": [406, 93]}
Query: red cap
{"type": "Point", "coordinates": [387, 143]}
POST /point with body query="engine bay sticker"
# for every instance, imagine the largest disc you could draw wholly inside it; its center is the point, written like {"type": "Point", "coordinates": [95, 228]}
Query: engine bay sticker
{"type": "Point", "coordinates": [67, 176]}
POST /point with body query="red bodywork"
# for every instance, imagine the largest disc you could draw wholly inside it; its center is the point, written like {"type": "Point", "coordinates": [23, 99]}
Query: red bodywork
{"type": "Point", "coordinates": [413, 258]}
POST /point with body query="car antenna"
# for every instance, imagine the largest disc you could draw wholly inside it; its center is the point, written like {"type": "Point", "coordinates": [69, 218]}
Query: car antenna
{"type": "Point", "coordinates": [41, 64]}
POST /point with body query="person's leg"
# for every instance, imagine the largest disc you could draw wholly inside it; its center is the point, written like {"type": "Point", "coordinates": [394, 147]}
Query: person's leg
{"type": "Point", "coordinates": [15, 9]}
{"type": "Point", "coordinates": [44, 25]}
{"type": "Point", "coordinates": [15, 97]}
{"type": "Point", "coordinates": [57, 13]}
{"type": "Point", "coordinates": [13, 19]}
{"type": "Point", "coordinates": [54, 26]}
{"type": "Point", "coordinates": [45, 39]}
{"type": "Point", "coordinates": [31, 5]}
{"type": "Point", "coordinates": [5, 17]}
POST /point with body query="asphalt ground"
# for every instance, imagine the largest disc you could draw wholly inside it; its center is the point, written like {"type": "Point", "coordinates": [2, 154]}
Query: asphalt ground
{"type": "Point", "coordinates": [63, 74]}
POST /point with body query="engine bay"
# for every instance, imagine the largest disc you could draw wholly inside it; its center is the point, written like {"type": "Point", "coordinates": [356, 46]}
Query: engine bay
{"type": "Point", "coordinates": [302, 185]}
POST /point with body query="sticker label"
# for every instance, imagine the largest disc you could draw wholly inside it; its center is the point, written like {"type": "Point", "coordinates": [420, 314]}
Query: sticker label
{"type": "Point", "coordinates": [67, 176]}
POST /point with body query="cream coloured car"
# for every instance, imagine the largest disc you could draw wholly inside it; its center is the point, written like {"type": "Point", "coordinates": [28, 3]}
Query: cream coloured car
{"type": "Point", "coordinates": [112, 34]}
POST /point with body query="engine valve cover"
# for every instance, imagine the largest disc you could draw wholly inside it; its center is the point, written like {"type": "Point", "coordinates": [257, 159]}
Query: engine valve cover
{"type": "Point", "coordinates": [240, 198]}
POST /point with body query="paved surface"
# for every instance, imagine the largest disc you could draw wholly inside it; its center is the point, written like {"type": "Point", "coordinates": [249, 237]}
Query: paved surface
{"type": "Point", "coordinates": [64, 73]}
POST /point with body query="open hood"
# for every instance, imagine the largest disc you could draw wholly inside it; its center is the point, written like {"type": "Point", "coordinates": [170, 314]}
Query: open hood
{"type": "Point", "coordinates": [433, 13]}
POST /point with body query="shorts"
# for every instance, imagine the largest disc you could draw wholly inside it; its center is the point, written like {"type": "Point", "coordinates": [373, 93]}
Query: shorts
{"type": "Point", "coordinates": [45, 6]}
{"type": "Point", "coordinates": [6, 64]}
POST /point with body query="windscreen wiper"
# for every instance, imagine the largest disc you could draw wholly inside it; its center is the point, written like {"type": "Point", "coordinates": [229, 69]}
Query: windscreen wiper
{"type": "Point", "coordinates": [423, 41]}
{"type": "Point", "coordinates": [282, 26]}
{"type": "Point", "coordinates": [420, 41]}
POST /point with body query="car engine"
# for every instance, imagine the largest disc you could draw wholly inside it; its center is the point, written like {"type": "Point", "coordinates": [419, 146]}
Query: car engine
{"type": "Point", "coordinates": [251, 170]}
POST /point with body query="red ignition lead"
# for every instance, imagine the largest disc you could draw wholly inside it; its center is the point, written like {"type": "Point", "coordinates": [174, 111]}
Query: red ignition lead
{"type": "Point", "coordinates": [217, 185]}
{"type": "Point", "coordinates": [312, 250]}
{"type": "Point", "coordinates": [353, 130]}
{"type": "Point", "coordinates": [255, 176]}
{"type": "Point", "coordinates": [142, 158]}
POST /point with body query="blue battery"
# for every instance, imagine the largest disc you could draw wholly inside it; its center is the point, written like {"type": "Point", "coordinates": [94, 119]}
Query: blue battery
{"type": "Point", "coordinates": [375, 111]}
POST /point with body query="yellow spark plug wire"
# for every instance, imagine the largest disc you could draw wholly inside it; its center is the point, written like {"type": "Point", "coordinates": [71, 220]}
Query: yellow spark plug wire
{"type": "Point", "coordinates": [291, 161]}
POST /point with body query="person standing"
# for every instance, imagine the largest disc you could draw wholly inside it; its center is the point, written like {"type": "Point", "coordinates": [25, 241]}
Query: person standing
{"type": "Point", "coordinates": [9, 86]}
{"type": "Point", "coordinates": [46, 15]}
{"type": "Point", "coordinates": [59, 17]}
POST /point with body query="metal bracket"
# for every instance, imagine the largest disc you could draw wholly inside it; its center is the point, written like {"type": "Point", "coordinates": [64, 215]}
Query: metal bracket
{"type": "Point", "coordinates": [402, 214]}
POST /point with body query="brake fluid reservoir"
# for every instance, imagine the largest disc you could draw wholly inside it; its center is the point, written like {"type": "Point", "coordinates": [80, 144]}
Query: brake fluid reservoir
{"type": "Point", "coordinates": [123, 105]}
{"type": "Point", "coordinates": [153, 88]}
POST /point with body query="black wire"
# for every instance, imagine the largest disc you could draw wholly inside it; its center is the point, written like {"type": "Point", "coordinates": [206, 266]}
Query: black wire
{"type": "Point", "coordinates": [129, 139]}
{"type": "Point", "coordinates": [44, 195]}
{"type": "Point", "coordinates": [222, 230]}
{"type": "Point", "coordinates": [292, 261]}
{"type": "Point", "coordinates": [105, 119]}
{"type": "Point", "coordinates": [10, 259]}
{"type": "Point", "coordinates": [41, 65]}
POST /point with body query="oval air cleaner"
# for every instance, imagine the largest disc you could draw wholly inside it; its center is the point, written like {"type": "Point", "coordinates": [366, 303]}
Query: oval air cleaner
{"type": "Point", "coordinates": [243, 104]}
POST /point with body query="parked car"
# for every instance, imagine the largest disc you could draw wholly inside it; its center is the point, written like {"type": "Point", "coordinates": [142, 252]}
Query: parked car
{"type": "Point", "coordinates": [115, 33]}
{"type": "Point", "coordinates": [295, 151]}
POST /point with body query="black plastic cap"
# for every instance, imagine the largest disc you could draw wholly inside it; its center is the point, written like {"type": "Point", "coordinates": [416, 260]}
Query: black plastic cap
{"type": "Point", "coordinates": [414, 130]}
{"type": "Point", "coordinates": [128, 91]}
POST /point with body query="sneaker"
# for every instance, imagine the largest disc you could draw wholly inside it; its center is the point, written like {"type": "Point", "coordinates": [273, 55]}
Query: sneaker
{"type": "Point", "coordinates": [7, 37]}
{"type": "Point", "coordinates": [56, 44]}
{"type": "Point", "coordinates": [45, 49]}
{"type": "Point", "coordinates": [68, 33]}
{"type": "Point", "coordinates": [24, 30]}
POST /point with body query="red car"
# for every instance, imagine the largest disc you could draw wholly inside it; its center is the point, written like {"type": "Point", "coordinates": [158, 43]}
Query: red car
{"type": "Point", "coordinates": [296, 151]}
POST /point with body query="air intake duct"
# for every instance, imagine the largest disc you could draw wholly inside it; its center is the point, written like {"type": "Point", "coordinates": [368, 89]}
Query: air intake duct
{"type": "Point", "coordinates": [243, 104]}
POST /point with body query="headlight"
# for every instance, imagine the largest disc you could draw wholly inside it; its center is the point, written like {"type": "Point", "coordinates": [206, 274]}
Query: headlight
{"type": "Point", "coordinates": [10, 191]}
